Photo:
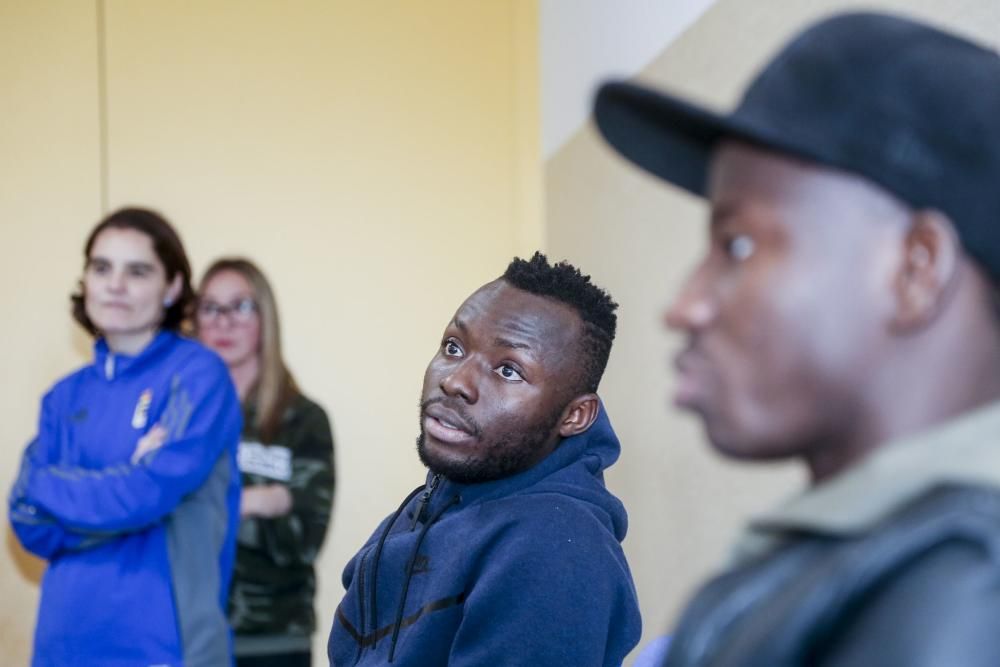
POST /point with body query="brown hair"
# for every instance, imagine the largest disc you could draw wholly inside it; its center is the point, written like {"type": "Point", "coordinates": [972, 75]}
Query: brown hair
{"type": "Point", "coordinates": [275, 387]}
{"type": "Point", "coordinates": [168, 248]}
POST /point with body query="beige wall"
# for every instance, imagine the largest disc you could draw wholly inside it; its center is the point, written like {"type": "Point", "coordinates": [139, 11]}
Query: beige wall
{"type": "Point", "coordinates": [380, 161]}
{"type": "Point", "coordinates": [48, 184]}
{"type": "Point", "coordinates": [638, 237]}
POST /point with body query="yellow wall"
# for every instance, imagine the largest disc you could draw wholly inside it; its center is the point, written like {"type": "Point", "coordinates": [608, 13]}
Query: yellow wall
{"type": "Point", "coordinates": [639, 237]}
{"type": "Point", "coordinates": [48, 186]}
{"type": "Point", "coordinates": [379, 160]}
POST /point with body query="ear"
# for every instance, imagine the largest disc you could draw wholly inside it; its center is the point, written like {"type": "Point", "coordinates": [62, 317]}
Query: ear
{"type": "Point", "coordinates": [173, 291]}
{"type": "Point", "coordinates": [579, 415]}
{"type": "Point", "coordinates": [929, 268]}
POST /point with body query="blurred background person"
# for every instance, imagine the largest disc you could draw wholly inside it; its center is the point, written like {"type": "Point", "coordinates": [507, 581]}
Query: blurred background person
{"type": "Point", "coordinates": [286, 462]}
{"type": "Point", "coordinates": [130, 489]}
{"type": "Point", "coordinates": [844, 315]}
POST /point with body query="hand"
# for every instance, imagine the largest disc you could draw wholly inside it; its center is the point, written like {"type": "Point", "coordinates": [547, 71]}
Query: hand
{"type": "Point", "coordinates": [266, 501]}
{"type": "Point", "coordinates": [154, 439]}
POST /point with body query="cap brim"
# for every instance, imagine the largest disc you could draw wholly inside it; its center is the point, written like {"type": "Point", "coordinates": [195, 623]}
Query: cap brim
{"type": "Point", "coordinates": [662, 134]}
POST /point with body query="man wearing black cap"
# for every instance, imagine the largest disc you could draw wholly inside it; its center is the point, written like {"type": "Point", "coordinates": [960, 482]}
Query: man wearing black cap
{"type": "Point", "coordinates": [845, 313]}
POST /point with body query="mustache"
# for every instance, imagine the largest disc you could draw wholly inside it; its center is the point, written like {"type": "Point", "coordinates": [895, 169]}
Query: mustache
{"type": "Point", "coordinates": [454, 407]}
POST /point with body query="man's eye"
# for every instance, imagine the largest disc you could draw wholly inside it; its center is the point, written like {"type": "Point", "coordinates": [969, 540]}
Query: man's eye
{"type": "Point", "coordinates": [138, 272]}
{"type": "Point", "coordinates": [508, 373]}
{"type": "Point", "coordinates": [99, 268]}
{"type": "Point", "coordinates": [452, 349]}
{"type": "Point", "coordinates": [740, 247]}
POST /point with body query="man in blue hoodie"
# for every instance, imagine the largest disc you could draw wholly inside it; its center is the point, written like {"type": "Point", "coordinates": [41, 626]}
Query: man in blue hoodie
{"type": "Point", "coordinates": [510, 554]}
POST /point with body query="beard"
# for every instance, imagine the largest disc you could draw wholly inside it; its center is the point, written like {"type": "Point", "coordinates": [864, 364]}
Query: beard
{"type": "Point", "coordinates": [488, 461]}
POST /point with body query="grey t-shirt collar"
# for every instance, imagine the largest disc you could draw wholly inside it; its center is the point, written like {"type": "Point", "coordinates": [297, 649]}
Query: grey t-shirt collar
{"type": "Point", "coordinates": [965, 450]}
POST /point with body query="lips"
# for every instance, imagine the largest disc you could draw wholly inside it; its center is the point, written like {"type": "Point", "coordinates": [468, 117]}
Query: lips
{"type": "Point", "coordinates": [447, 426]}
{"type": "Point", "coordinates": [691, 387]}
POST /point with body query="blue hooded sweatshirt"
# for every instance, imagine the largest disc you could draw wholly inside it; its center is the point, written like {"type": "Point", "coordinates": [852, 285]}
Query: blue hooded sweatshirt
{"type": "Point", "coordinates": [139, 554]}
{"type": "Point", "coordinates": [526, 570]}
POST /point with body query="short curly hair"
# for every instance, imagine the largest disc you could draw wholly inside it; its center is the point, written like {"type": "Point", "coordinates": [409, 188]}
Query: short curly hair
{"type": "Point", "coordinates": [564, 283]}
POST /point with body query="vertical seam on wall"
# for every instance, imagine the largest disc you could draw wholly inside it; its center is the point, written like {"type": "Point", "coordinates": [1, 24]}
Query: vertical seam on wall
{"type": "Point", "coordinates": [517, 222]}
{"type": "Point", "coordinates": [102, 107]}
{"type": "Point", "coordinates": [527, 210]}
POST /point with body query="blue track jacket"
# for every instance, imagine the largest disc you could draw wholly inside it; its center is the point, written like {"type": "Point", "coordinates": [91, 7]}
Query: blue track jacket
{"type": "Point", "coordinates": [523, 571]}
{"type": "Point", "coordinates": [140, 555]}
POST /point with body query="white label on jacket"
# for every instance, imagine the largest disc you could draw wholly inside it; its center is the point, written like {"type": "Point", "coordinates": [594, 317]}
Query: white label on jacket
{"type": "Point", "coordinates": [272, 461]}
{"type": "Point", "coordinates": [141, 412]}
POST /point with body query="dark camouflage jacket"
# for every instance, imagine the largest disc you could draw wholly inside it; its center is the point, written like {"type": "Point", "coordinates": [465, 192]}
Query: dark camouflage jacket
{"type": "Point", "coordinates": [271, 599]}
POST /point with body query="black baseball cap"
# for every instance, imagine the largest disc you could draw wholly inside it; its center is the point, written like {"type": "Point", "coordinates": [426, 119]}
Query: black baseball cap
{"type": "Point", "coordinates": [907, 106]}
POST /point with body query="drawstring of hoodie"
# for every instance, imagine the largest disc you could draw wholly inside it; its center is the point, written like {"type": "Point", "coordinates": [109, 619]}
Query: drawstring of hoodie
{"type": "Point", "coordinates": [409, 571]}
{"type": "Point", "coordinates": [378, 554]}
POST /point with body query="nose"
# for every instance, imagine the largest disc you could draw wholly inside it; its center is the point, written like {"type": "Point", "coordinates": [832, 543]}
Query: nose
{"type": "Point", "coordinates": [461, 381]}
{"type": "Point", "coordinates": [116, 281]}
{"type": "Point", "coordinates": [694, 308]}
{"type": "Point", "coordinates": [224, 319]}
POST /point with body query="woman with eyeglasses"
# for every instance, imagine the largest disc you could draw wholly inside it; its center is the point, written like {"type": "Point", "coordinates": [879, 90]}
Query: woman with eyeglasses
{"type": "Point", "coordinates": [286, 461]}
{"type": "Point", "coordinates": [130, 489]}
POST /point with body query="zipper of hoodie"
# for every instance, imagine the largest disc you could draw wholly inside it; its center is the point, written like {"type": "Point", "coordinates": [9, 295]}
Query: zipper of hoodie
{"type": "Point", "coordinates": [424, 499]}
{"type": "Point", "coordinates": [109, 366]}
{"type": "Point", "coordinates": [361, 604]}
{"type": "Point", "coordinates": [377, 558]}
{"type": "Point", "coordinates": [398, 623]}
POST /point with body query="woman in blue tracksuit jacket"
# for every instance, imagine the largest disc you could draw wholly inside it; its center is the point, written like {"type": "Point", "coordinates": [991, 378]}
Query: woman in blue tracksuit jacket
{"type": "Point", "coordinates": [130, 489]}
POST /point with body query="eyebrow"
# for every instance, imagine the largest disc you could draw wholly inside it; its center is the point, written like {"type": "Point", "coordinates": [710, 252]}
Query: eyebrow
{"type": "Point", "coordinates": [503, 342]}
{"type": "Point", "coordinates": [499, 341]}
{"type": "Point", "coordinates": [145, 266]}
{"type": "Point", "coordinates": [722, 213]}
{"type": "Point", "coordinates": [131, 265]}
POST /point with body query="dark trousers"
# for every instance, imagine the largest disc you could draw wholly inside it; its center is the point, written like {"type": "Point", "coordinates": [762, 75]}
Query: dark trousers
{"type": "Point", "coordinates": [298, 659]}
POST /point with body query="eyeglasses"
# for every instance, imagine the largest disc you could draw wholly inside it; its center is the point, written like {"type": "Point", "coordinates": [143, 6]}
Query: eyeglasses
{"type": "Point", "coordinates": [239, 312]}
